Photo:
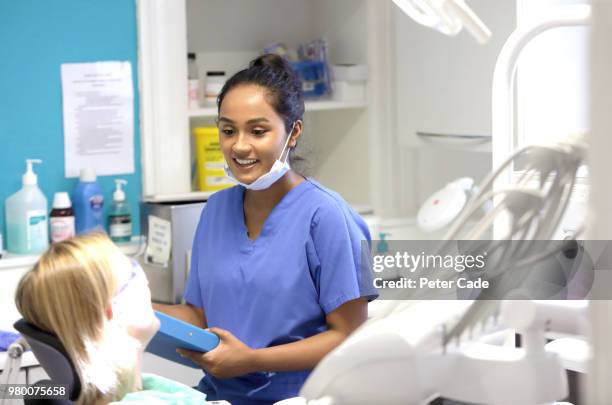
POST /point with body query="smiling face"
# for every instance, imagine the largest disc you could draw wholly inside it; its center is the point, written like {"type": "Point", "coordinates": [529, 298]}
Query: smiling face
{"type": "Point", "coordinates": [251, 133]}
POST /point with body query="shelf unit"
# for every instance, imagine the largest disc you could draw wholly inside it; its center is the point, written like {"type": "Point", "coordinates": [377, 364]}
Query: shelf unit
{"type": "Point", "coordinates": [352, 141]}
{"type": "Point", "coordinates": [311, 105]}
{"type": "Point", "coordinates": [462, 142]}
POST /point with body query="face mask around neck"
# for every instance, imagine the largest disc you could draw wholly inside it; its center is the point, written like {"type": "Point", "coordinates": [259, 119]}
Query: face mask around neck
{"type": "Point", "coordinates": [278, 170]}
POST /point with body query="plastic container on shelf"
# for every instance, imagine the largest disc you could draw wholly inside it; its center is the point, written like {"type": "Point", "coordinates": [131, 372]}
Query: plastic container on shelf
{"type": "Point", "coordinates": [349, 82]}
{"type": "Point", "coordinates": [193, 80]}
{"type": "Point", "coordinates": [349, 91]}
{"type": "Point", "coordinates": [209, 160]}
{"type": "Point", "coordinates": [350, 72]}
{"type": "Point", "coordinates": [215, 80]}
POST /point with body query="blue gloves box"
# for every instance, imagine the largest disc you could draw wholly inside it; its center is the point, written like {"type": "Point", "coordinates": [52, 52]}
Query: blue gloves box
{"type": "Point", "coordinates": [314, 76]}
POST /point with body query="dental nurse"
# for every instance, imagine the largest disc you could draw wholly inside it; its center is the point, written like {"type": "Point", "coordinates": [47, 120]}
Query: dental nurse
{"type": "Point", "coordinates": [275, 270]}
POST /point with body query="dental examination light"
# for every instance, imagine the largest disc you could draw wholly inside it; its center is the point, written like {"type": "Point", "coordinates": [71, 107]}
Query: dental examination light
{"type": "Point", "coordinates": [446, 16]}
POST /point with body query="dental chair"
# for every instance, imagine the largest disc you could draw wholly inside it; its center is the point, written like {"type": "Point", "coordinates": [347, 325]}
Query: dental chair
{"type": "Point", "coordinates": [52, 356]}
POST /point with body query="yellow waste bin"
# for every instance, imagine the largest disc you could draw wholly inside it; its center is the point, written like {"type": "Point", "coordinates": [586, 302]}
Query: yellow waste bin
{"type": "Point", "coordinates": [209, 160]}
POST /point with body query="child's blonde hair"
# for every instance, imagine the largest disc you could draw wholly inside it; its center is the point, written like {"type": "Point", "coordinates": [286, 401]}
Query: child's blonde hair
{"type": "Point", "coordinates": [68, 293]}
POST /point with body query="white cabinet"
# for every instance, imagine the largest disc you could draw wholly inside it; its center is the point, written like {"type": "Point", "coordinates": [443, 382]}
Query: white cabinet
{"type": "Point", "coordinates": [349, 145]}
{"type": "Point", "coordinates": [12, 268]}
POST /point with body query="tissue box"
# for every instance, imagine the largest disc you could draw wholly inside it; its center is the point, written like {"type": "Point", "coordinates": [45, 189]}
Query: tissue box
{"type": "Point", "coordinates": [350, 73]}
{"type": "Point", "coordinates": [349, 91]}
{"type": "Point", "coordinates": [349, 82]}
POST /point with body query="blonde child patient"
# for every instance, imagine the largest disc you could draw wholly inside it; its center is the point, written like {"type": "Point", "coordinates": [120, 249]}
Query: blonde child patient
{"type": "Point", "coordinates": [97, 302]}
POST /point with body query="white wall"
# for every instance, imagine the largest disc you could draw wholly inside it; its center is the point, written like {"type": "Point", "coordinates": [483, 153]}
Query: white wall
{"type": "Point", "coordinates": [340, 152]}
{"type": "Point", "coordinates": [246, 25]}
{"type": "Point", "coordinates": [444, 85]}
{"type": "Point", "coordinates": [343, 24]}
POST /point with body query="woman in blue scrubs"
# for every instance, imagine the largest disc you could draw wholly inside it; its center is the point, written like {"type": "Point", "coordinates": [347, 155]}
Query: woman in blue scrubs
{"type": "Point", "coordinates": [276, 267]}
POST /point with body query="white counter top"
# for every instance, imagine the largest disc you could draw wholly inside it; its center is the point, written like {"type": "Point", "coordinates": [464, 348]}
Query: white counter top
{"type": "Point", "coordinates": [12, 261]}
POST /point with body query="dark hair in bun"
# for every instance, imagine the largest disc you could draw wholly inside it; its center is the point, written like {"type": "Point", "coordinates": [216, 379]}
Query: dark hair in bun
{"type": "Point", "coordinates": [284, 88]}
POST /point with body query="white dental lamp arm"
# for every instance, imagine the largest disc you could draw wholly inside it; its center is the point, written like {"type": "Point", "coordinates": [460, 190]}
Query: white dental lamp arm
{"type": "Point", "coordinates": [470, 20]}
{"type": "Point", "coordinates": [446, 16]}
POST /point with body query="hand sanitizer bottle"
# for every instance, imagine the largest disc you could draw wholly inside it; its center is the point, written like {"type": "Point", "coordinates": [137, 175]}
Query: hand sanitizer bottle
{"type": "Point", "coordinates": [119, 218]}
{"type": "Point", "coordinates": [26, 216]}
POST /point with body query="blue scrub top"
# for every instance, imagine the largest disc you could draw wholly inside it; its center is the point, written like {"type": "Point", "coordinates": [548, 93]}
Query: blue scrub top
{"type": "Point", "coordinates": [277, 288]}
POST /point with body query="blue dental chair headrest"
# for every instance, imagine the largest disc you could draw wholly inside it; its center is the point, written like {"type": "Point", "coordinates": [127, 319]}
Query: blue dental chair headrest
{"type": "Point", "coordinates": [53, 357]}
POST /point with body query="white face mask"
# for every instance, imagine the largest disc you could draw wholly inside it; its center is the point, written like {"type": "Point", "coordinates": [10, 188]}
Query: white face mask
{"type": "Point", "coordinates": [278, 170]}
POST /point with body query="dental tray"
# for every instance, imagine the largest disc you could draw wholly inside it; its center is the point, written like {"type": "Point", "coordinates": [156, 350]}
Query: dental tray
{"type": "Point", "coordinates": [174, 333]}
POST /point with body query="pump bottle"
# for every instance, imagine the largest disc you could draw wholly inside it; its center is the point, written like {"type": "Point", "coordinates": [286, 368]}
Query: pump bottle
{"type": "Point", "coordinates": [26, 216]}
{"type": "Point", "coordinates": [119, 217]}
{"type": "Point", "coordinates": [88, 203]}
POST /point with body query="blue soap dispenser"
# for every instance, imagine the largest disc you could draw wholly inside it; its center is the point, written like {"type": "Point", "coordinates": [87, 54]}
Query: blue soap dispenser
{"type": "Point", "coordinates": [382, 246]}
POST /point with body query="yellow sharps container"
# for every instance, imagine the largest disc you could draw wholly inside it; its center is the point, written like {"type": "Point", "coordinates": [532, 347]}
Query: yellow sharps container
{"type": "Point", "coordinates": [209, 160]}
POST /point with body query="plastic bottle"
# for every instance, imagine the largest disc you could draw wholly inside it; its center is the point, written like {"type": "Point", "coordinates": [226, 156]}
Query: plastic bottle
{"type": "Point", "coordinates": [193, 90]}
{"type": "Point", "coordinates": [383, 246]}
{"type": "Point", "coordinates": [88, 203]}
{"type": "Point", "coordinates": [119, 217]}
{"type": "Point", "coordinates": [26, 216]}
{"type": "Point", "coordinates": [214, 84]}
{"type": "Point", "coordinates": [61, 218]}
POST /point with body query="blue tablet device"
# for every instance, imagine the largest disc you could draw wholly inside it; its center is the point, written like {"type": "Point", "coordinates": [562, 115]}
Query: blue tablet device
{"type": "Point", "coordinates": [174, 333]}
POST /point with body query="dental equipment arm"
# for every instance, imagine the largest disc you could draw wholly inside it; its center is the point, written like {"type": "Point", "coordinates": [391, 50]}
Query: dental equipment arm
{"type": "Point", "coordinates": [561, 160]}
{"type": "Point", "coordinates": [411, 355]}
{"type": "Point", "coordinates": [446, 16]}
{"type": "Point", "coordinates": [402, 359]}
{"type": "Point", "coordinates": [12, 366]}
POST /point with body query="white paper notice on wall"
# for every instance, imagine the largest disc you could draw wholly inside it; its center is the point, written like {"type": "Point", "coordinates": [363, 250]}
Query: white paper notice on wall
{"type": "Point", "coordinates": [98, 101]}
{"type": "Point", "coordinates": [159, 242]}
